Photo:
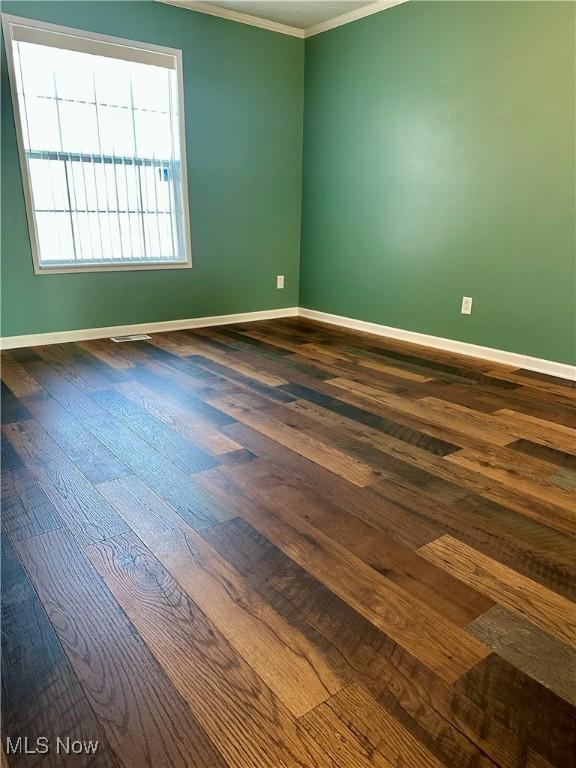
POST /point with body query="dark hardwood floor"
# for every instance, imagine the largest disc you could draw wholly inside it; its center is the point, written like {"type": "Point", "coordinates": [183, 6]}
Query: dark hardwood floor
{"type": "Point", "coordinates": [281, 544]}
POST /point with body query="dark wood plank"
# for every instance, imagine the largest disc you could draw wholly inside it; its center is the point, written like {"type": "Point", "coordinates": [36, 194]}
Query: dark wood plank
{"type": "Point", "coordinates": [408, 516]}
{"type": "Point", "coordinates": [447, 596]}
{"type": "Point", "coordinates": [547, 378]}
{"type": "Point", "coordinates": [384, 742]}
{"type": "Point", "coordinates": [450, 726]}
{"type": "Point", "coordinates": [164, 477]}
{"type": "Point", "coordinates": [317, 451]}
{"type": "Point", "coordinates": [534, 652]}
{"type": "Point", "coordinates": [78, 367]}
{"type": "Point", "coordinates": [26, 510]}
{"type": "Point", "coordinates": [143, 716]}
{"type": "Point", "coordinates": [545, 453]}
{"type": "Point", "coordinates": [41, 696]}
{"type": "Point", "coordinates": [12, 408]}
{"type": "Point", "coordinates": [181, 452]}
{"type": "Point", "coordinates": [421, 631]}
{"type": "Point", "coordinates": [174, 389]}
{"type": "Point", "coordinates": [280, 654]}
{"type": "Point", "coordinates": [532, 549]}
{"type": "Point", "coordinates": [539, 717]}
{"type": "Point", "coordinates": [249, 726]}
{"type": "Point", "coordinates": [91, 457]}
{"type": "Point", "coordinates": [271, 391]}
{"type": "Point", "coordinates": [392, 518]}
{"type": "Point", "coordinates": [178, 419]}
{"type": "Point", "coordinates": [551, 612]}
{"type": "Point", "coordinates": [16, 377]}
{"type": "Point", "coordinates": [84, 511]}
{"type": "Point", "coordinates": [381, 424]}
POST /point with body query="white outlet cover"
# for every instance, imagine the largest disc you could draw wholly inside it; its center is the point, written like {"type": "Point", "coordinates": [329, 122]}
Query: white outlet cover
{"type": "Point", "coordinates": [466, 305]}
{"type": "Point", "coordinates": [280, 281]}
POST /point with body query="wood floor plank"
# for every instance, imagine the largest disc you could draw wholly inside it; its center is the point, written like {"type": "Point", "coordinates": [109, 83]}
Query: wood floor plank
{"type": "Point", "coordinates": [400, 564]}
{"type": "Point", "coordinates": [225, 359]}
{"type": "Point", "coordinates": [470, 477]}
{"type": "Point", "coordinates": [270, 391]}
{"type": "Point", "coordinates": [545, 453]}
{"type": "Point", "coordinates": [561, 387]}
{"type": "Point", "coordinates": [26, 510]}
{"type": "Point", "coordinates": [539, 430]}
{"type": "Point", "coordinates": [178, 419]}
{"type": "Point", "coordinates": [248, 725]}
{"type": "Point", "coordinates": [549, 611]}
{"type": "Point", "coordinates": [448, 724]}
{"type": "Point", "coordinates": [358, 712]}
{"type": "Point", "coordinates": [534, 550]}
{"type": "Point", "coordinates": [392, 518]}
{"type": "Point", "coordinates": [177, 387]}
{"type": "Point", "coordinates": [545, 722]}
{"type": "Point", "coordinates": [340, 741]}
{"type": "Point", "coordinates": [108, 352]}
{"type": "Point", "coordinates": [164, 477]}
{"type": "Point", "coordinates": [317, 352]}
{"type": "Point", "coordinates": [143, 716]}
{"type": "Point", "coordinates": [537, 654]}
{"type": "Point", "coordinates": [374, 542]}
{"type": "Point", "coordinates": [545, 377]}
{"type": "Point", "coordinates": [17, 378]}
{"type": "Point", "coordinates": [408, 517]}
{"type": "Point", "coordinates": [183, 453]}
{"type": "Point", "coordinates": [556, 410]}
{"type": "Point", "coordinates": [78, 368]}
{"type": "Point", "coordinates": [282, 656]}
{"type": "Point", "coordinates": [324, 455]}
{"type": "Point", "coordinates": [12, 408]}
{"type": "Point", "coordinates": [520, 473]}
{"type": "Point", "coordinates": [225, 363]}
{"type": "Point", "coordinates": [84, 511]}
{"type": "Point", "coordinates": [425, 634]}
{"type": "Point", "coordinates": [41, 696]}
{"type": "Point", "coordinates": [463, 423]}
{"type": "Point", "coordinates": [91, 457]}
{"type": "Point", "coordinates": [376, 422]}
{"type": "Point", "coordinates": [269, 356]}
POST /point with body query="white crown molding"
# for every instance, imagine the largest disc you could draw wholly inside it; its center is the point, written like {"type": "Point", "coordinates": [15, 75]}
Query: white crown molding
{"type": "Point", "coordinates": [85, 334]}
{"type": "Point", "coordinates": [284, 29]}
{"type": "Point", "coordinates": [346, 18]}
{"type": "Point", "coordinates": [540, 365]}
{"type": "Point", "coordinates": [242, 18]}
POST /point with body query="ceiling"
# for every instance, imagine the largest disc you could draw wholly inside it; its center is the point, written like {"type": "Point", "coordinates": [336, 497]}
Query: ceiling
{"type": "Point", "coordinates": [301, 14]}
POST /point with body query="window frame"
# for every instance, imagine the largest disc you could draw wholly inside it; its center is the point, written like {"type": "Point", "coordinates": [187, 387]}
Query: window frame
{"type": "Point", "coordinates": [42, 269]}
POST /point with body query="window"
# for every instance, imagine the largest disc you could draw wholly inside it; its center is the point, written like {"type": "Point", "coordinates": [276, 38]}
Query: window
{"type": "Point", "coordinates": [101, 138]}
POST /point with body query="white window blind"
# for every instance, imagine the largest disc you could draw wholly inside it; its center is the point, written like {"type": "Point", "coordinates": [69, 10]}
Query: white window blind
{"type": "Point", "coordinates": [101, 133]}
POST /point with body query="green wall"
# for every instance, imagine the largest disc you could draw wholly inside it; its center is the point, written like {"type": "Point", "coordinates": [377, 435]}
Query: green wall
{"type": "Point", "coordinates": [438, 163]}
{"type": "Point", "coordinates": [243, 98]}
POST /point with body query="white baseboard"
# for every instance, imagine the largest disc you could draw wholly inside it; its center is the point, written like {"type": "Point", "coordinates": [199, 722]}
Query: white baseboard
{"type": "Point", "coordinates": [449, 345]}
{"type": "Point", "coordinates": [85, 334]}
{"type": "Point", "coordinates": [550, 367]}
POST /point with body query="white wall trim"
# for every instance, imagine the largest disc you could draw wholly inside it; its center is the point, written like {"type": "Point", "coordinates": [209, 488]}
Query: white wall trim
{"type": "Point", "coordinates": [242, 18]}
{"type": "Point", "coordinates": [550, 367]}
{"type": "Point", "coordinates": [284, 29]}
{"type": "Point", "coordinates": [540, 365]}
{"type": "Point", "coordinates": [85, 334]}
{"type": "Point", "coordinates": [346, 18]}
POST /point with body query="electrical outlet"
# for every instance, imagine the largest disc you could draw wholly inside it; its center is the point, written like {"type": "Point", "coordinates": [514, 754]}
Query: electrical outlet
{"type": "Point", "coordinates": [279, 281]}
{"type": "Point", "coordinates": [466, 305]}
